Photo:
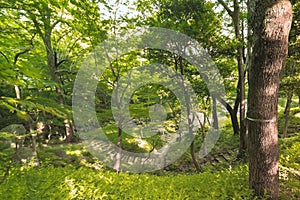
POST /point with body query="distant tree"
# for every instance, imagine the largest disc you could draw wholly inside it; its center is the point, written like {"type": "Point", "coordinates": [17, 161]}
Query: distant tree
{"type": "Point", "coordinates": [236, 15]}
{"type": "Point", "coordinates": [198, 20]}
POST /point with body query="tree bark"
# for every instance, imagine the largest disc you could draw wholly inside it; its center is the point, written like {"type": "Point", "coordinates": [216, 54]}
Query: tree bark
{"type": "Point", "coordinates": [270, 22]}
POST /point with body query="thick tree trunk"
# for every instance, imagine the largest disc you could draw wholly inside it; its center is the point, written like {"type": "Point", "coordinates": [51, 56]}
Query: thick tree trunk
{"type": "Point", "coordinates": [287, 113]}
{"type": "Point", "coordinates": [270, 21]}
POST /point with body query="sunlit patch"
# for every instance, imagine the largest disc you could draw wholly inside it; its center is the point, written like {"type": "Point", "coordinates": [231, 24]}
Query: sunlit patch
{"type": "Point", "coordinates": [297, 115]}
{"type": "Point", "coordinates": [271, 90]}
{"type": "Point", "coordinates": [140, 143]}
{"type": "Point", "coordinates": [74, 152]}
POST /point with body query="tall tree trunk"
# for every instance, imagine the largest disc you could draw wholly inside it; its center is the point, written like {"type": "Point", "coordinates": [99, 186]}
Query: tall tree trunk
{"type": "Point", "coordinates": [243, 129]}
{"type": "Point", "coordinates": [52, 67]}
{"type": "Point", "coordinates": [270, 22]}
{"type": "Point", "coordinates": [240, 98]}
{"type": "Point", "coordinates": [45, 29]}
{"type": "Point", "coordinates": [52, 64]}
{"type": "Point", "coordinates": [287, 113]}
{"type": "Point", "coordinates": [241, 85]}
{"type": "Point", "coordinates": [117, 97]}
{"type": "Point", "coordinates": [189, 112]}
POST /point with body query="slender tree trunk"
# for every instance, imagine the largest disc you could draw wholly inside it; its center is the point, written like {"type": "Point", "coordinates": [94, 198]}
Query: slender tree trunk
{"type": "Point", "coordinates": [17, 91]}
{"type": "Point", "coordinates": [270, 22]}
{"type": "Point", "coordinates": [117, 97]}
{"type": "Point", "coordinates": [119, 150]}
{"type": "Point", "coordinates": [240, 98]}
{"type": "Point", "coordinates": [44, 28]}
{"type": "Point", "coordinates": [203, 133]}
{"type": "Point", "coordinates": [188, 108]}
{"type": "Point", "coordinates": [241, 85]}
{"type": "Point", "coordinates": [287, 113]}
{"type": "Point", "coordinates": [244, 141]}
{"type": "Point", "coordinates": [52, 67]}
{"type": "Point", "coordinates": [197, 166]}
{"type": "Point", "coordinates": [69, 131]}
{"type": "Point", "coordinates": [52, 64]}
{"type": "Point", "coordinates": [233, 116]}
{"type": "Point", "coordinates": [214, 113]}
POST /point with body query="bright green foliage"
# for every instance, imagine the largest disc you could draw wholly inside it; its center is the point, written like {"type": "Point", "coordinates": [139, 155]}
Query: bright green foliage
{"type": "Point", "coordinates": [6, 153]}
{"type": "Point", "coordinates": [290, 167]}
{"type": "Point", "coordinates": [85, 183]}
{"type": "Point", "coordinates": [291, 149]}
{"type": "Point", "coordinates": [199, 20]}
{"type": "Point", "coordinates": [41, 45]}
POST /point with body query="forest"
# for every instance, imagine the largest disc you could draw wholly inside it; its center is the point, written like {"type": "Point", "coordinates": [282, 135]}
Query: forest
{"type": "Point", "coordinates": [143, 99]}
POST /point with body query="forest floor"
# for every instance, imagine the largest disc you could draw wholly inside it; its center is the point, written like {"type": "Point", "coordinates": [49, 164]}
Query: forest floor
{"type": "Point", "coordinates": [69, 171]}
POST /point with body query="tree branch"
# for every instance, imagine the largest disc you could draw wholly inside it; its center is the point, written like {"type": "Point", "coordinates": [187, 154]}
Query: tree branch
{"type": "Point", "coordinates": [229, 11]}
{"type": "Point", "coordinates": [61, 62]}
{"type": "Point", "coordinates": [25, 51]}
{"type": "Point", "coordinates": [36, 24]}
{"type": "Point", "coordinates": [55, 23]}
{"type": "Point", "coordinates": [4, 56]}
